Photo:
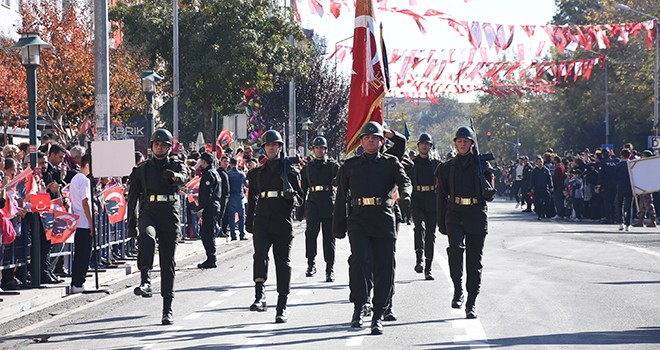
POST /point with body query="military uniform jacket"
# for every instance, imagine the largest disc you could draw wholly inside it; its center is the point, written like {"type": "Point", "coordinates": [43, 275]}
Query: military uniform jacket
{"type": "Point", "coordinates": [268, 178]}
{"type": "Point", "coordinates": [319, 172]}
{"type": "Point", "coordinates": [463, 181]}
{"type": "Point", "coordinates": [369, 176]}
{"type": "Point", "coordinates": [422, 173]}
{"type": "Point", "coordinates": [210, 191]}
{"type": "Point", "coordinates": [147, 179]}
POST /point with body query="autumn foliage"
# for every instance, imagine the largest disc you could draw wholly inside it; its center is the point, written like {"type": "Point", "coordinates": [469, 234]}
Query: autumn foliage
{"type": "Point", "coordinates": [65, 80]}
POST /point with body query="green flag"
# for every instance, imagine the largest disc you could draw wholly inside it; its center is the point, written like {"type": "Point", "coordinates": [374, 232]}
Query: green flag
{"type": "Point", "coordinates": [406, 131]}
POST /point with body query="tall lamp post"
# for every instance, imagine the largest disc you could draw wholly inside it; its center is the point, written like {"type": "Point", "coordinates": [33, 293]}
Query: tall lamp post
{"type": "Point", "coordinates": [30, 45]}
{"type": "Point", "coordinates": [655, 68]}
{"type": "Point", "coordinates": [149, 79]}
{"type": "Point", "coordinates": [516, 147]}
{"type": "Point", "coordinates": [306, 126]}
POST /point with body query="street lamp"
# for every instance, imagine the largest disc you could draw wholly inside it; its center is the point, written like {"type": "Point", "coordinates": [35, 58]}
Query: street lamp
{"type": "Point", "coordinates": [30, 45]}
{"type": "Point", "coordinates": [306, 126]}
{"type": "Point", "coordinates": [149, 79]}
{"type": "Point", "coordinates": [320, 130]}
{"type": "Point", "coordinates": [516, 147]}
{"type": "Point", "coordinates": [655, 68]}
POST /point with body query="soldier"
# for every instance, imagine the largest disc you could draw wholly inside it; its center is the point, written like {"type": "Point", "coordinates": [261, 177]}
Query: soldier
{"type": "Point", "coordinates": [317, 177]}
{"type": "Point", "coordinates": [423, 206]}
{"type": "Point", "coordinates": [372, 180]}
{"type": "Point", "coordinates": [155, 183]}
{"type": "Point", "coordinates": [462, 217]}
{"type": "Point", "coordinates": [274, 188]}
{"type": "Point", "coordinates": [210, 203]}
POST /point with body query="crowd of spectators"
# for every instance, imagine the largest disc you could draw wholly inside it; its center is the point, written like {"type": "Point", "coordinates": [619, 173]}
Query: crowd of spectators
{"type": "Point", "coordinates": [578, 186]}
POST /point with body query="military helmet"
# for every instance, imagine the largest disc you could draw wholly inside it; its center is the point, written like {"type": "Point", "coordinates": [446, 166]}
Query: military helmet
{"type": "Point", "coordinates": [372, 128]}
{"type": "Point", "coordinates": [320, 141]}
{"type": "Point", "coordinates": [464, 132]}
{"type": "Point", "coordinates": [424, 137]}
{"type": "Point", "coordinates": [271, 136]}
{"type": "Point", "coordinates": [162, 135]}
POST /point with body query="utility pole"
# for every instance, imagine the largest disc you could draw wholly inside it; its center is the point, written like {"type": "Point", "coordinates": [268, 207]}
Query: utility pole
{"type": "Point", "coordinates": [101, 71]}
{"type": "Point", "coordinates": [175, 64]}
{"type": "Point", "coordinates": [292, 99]}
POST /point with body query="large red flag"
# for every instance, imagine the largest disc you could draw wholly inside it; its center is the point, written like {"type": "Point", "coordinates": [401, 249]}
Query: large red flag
{"type": "Point", "coordinates": [367, 80]}
{"type": "Point", "coordinates": [115, 204]}
{"type": "Point", "coordinates": [63, 226]}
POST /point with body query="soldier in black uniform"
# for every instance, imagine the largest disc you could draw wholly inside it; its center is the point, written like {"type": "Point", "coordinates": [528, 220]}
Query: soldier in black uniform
{"type": "Point", "coordinates": [423, 206]}
{"type": "Point", "coordinates": [155, 184]}
{"type": "Point", "coordinates": [462, 216]}
{"type": "Point", "coordinates": [372, 180]}
{"type": "Point", "coordinates": [274, 188]}
{"type": "Point", "coordinates": [210, 203]}
{"type": "Point", "coordinates": [317, 180]}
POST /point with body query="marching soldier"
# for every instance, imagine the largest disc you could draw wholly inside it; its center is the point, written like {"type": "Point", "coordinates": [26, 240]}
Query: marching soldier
{"type": "Point", "coordinates": [372, 180]}
{"type": "Point", "coordinates": [317, 177]}
{"type": "Point", "coordinates": [155, 183]}
{"type": "Point", "coordinates": [462, 216]}
{"type": "Point", "coordinates": [274, 188]}
{"type": "Point", "coordinates": [423, 205]}
{"type": "Point", "coordinates": [210, 204]}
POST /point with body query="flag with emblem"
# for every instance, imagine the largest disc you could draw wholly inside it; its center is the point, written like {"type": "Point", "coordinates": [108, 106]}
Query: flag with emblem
{"type": "Point", "coordinates": [40, 202]}
{"type": "Point", "coordinates": [367, 80]}
{"type": "Point", "coordinates": [87, 127]}
{"type": "Point", "coordinates": [115, 204]}
{"type": "Point", "coordinates": [62, 227]}
{"type": "Point", "coordinates": [192, 190]}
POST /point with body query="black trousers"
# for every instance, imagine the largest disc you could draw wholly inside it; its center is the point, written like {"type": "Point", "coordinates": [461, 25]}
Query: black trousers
{"type": "Point", "coordinates": [623, 205]}
{"type": "Point", "coordinates": [207, 232]}
{"type": "Point", "coordinates": [375, 255]}
{"type": "Point", "coordinates": [46, 266]}
{"type": "Point", "coordinates": [82, 243]}
{"type": "Point", "coordinates": [516, 189]}
{"type": "Point", "coordinates": [314, 224]}
{"type": "Point", "coordinates": [425, 224]}
{"type": "Point", "coordinates": [167, 242]}
{"type": "Point", "coordinates": [609, 196]}
{"type": "Point", "coordinates": [469, 239]}
{"type": "Point", "coordinates": [279, 235]}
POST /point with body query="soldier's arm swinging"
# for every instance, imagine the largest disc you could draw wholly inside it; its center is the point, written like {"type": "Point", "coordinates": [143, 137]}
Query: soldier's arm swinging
{"type": "Point", "coordinates": [442, 197]}
{"type": "Point", "coordinates": [134, 191]}
{"type": "Point", "coordinates": [339, 226]}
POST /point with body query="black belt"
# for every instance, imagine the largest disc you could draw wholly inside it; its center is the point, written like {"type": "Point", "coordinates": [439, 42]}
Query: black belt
{"type": "Point", "coordinates": [425, 188]}
{"type": "Point", "coordinates": [370, 201]}
{"type": "Point", "coordinates": [162, 198]}
{"type": "Point", "coordinates": [271, 194]}
{"type": "Point", "coordinates": [465, 201]}
{"type": "Point", "coordinates": [320, 188]}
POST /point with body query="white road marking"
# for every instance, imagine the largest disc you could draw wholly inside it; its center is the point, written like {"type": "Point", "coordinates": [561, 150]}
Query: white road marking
{"type": "Point", "coordinates": [268, 327]}
{"type": "Point", "coordinates": [641, 250]}
{"type": "Point", "coordinates": [516, 246]}
{"type": "Point", "coordinates": [193, 316]}
{"type": "Point", "coordinates": [303, 292]}
{"type": "Point", "coordinates": [243, 284]}
{"type": "Point", "coordinates": [294, 301]}
{"type": "Point", "coordinates": [354, 341]}
{"type": "Point", "coordinates": [214, 303]}
{"type": "Point", "coordinates": [228, 293]}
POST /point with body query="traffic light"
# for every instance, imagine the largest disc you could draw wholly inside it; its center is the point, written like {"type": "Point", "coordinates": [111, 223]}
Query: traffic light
{"type": "Point", "coordinates": [488, 135]}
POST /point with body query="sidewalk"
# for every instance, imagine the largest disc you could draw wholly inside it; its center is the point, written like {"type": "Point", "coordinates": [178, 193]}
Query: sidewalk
{"type": "Point", "coordinates": [32, 300]}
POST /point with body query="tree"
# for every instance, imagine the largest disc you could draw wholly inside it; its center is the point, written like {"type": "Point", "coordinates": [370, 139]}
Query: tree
{"type": "Point", "coordinates": [225, 45]}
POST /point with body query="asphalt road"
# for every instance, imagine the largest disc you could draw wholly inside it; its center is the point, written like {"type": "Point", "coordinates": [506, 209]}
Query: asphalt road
{"type": "Point", "coordinates": [546, 285]}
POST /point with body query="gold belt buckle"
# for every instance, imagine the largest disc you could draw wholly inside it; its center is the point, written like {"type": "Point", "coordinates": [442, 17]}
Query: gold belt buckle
{"type": "Point", "coordinates": [318, 188]}
{"type": "Point", "coordinates": [368, 201]}
{"type": "Point", "coordinates": [152, 198]}
{"type": "Point", "coordinates": [272, 194]}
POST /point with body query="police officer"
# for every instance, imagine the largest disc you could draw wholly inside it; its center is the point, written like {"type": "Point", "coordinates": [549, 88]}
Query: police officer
{"type": "Point", "coordinates": [423, 206]}
{"type": "Point", "coordinates": [462, 217]}
{"type": "Point", "coordinates": [155, 184]}
{"type": "Point", "coordinates": [317, 177]}
{"type": "Point", "coordinates": [274, 188]}
{"type": "Point", "coordinates": [372, 180]}
{"type": "Point", "coordinates": [210, 203]}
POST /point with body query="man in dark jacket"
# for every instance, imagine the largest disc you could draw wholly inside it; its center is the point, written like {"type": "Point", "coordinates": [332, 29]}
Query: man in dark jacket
{"type": "Point", "coordinates": [607, 185]}
{"type": "Point", "coordinates": [542, 186]}
{"type": "Point", "coordinates": [211, 200]}
{"type": "Point", "coordinates": [624, 193]}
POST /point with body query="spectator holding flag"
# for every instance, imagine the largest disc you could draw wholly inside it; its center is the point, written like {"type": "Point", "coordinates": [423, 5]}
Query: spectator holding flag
{"type": "Point", "coordinates": [81, 206]}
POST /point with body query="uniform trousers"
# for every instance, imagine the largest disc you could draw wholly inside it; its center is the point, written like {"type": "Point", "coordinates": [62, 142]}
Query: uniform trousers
{"type": "Point", "coordinates": [371, 254]}
{"type": "Point", "coordinates": [207, 232]}
{"type": "Point", "coordinates": [425, 224]}
{"type": "Point", "coordinates": [167, 242]}
{"type": "Point", "coordinates": [470, 239]}
{"type": "Point", "coordinates": [314, 224]}
{"type": "Point", "coordinates": [278, 234]}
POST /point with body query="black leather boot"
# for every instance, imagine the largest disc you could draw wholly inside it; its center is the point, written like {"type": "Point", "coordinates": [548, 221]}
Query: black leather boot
{"type": "Point", "coordinates": [144, 289]}
{"type": "Point", "coordinates": [457, 299]}
{"type": "Point", "coordinates": [427, 270]}
{"type": "Point", "coordinates": [168, 317]}
{"type": "Point", "coordinates": [418, 264]}
{"type": "Point", "coordinates": [259, 303]}
{"type": "Point", "coordinates": [470, 308]}
{"type": "Point", "coordinates": [389, 314]}
{"type": "Point", "coordinates": [281, 315]}
{"type": "Point", "coordinates": [376, 323]}
{"type": "Point", "coordinates": [311, 269]}
{"type": "Point", "coordinates": [358, 313]}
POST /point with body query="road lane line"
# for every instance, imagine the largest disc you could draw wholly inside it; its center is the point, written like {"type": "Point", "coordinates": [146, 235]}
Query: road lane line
{"type": "Point", "coordinates": [214, 303]}
{"type": "Point", "coordinates": [294, 301]}
{"type": "Point", "coordinates": [303, 292]}
{"type": "Point", "coordinates": [268, 327]}
{"type": "Point", "coordinates": [641, 250]}
{"type": "Point", "coordinates": [228, 293]}
{"type": "Point", "coordinates": [354, 341]}
{"type": "Point", "coordinates": [193, 316]}
{"type": "Point", "coordinates": [243, 284]}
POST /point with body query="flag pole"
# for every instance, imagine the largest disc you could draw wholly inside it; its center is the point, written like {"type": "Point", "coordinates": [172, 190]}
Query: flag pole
{"type": "Point", "coordinates": [92, 224]}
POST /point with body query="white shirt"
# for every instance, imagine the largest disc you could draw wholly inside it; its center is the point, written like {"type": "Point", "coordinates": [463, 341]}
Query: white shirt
{"type": "Point", "coordinates": [79, 191]}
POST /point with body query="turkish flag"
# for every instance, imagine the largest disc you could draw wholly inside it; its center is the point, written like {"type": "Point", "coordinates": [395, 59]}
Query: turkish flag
{"type": "Point", "coordinates": [63, 226]}
{"type": "Point", "coordinates": [367, 80]}
{"type": "Point", "coordinates": [115, 204]}
{"type": "Point", "coordinates": [192, 189]}
{"type": "Point", "coordinates": [40, 202]}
